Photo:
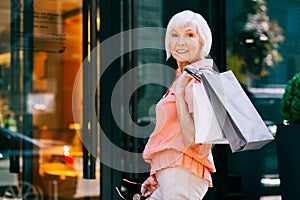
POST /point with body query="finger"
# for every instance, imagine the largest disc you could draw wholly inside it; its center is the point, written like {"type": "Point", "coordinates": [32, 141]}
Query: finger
{"type": "Point", "coordinates": [143, 189]}
{"type": "Point", "coordinates": [187, 76]}
{"type": "Point", "coordinates": [148, 193]}
{"type": "Point", "coordinates": [154, 186]}
{"type": "Point", "coordinates": [152, 182]}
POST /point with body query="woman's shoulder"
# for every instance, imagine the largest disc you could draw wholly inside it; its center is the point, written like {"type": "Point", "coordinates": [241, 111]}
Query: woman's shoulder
{"type": "Point", "coordinates": [203, 63]}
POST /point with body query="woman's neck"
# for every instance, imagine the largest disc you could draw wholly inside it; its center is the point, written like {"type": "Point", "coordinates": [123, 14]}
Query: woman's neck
{"type": "Point", "coordinates": [181, 65]}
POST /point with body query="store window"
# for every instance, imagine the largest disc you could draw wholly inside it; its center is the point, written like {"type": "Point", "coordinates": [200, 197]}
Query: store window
{"type": "Point", "coordinates": [259, 43]}
{"type": "Point", "coordinates": [260, 49]}
{"type": "Point", "coordinates": [40, 55]}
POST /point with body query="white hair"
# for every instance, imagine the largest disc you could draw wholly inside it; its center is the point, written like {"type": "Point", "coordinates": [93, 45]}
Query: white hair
{"type": "Point", "coordinates": [200, 24]}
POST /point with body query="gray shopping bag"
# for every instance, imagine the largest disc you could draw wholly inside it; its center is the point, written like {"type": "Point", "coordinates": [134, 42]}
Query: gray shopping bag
{"type": "Point", "coordinates": [242, 125]}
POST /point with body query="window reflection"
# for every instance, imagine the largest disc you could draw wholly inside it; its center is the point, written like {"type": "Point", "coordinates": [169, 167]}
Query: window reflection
{"type": "Point", "coordinates": [39, 101]}
{"type": "Point", "coordinates": [260, 50]}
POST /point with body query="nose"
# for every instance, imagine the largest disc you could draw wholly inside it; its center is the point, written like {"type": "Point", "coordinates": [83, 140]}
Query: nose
{"type": "Point", "coordinates": [181, 41]}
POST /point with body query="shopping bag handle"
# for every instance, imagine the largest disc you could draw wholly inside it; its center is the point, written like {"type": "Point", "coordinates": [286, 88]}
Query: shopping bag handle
{"type": "Point", "coordinates": [207, 69]}
{"type": "Point", "coordinates": [193, 72]}
{"type": "Point", "coordinates": [196, 72]}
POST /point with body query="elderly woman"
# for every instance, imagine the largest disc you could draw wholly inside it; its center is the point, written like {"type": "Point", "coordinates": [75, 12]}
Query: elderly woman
{"type": "Point", "coordinates": [180, 169]}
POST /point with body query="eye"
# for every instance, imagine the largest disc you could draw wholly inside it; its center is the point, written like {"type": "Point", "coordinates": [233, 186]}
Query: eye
{"type": "Point", "coordinates": [190, 34]}
{"type": "Point", "coordinates": [174, 35]}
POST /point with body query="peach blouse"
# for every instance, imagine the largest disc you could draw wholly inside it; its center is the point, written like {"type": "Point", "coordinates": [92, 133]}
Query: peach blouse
{"type": "Point", "coordinates": [166, 146]}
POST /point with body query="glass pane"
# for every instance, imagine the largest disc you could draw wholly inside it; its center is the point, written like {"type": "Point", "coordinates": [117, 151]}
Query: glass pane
{"type": "Point", "coordinates": [8, 180]}
{"type": "Point", "coordinates": [261, 47]}
{"type": "Point", "coordinates": [36, 84]}
{"type": "Point", "coordinates": [259, 42]}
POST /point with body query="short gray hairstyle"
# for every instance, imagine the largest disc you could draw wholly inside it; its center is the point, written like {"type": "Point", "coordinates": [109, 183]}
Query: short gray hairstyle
{"type": "Point", "coordinates": [196, 20]}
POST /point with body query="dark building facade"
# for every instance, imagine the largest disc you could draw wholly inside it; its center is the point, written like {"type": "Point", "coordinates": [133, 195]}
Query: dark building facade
{"type": "Point", "coordinates": [79, 80]}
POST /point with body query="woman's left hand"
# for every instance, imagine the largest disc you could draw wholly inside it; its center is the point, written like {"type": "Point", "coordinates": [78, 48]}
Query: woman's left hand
{"type": "Point", "coordinates": [149, 186]}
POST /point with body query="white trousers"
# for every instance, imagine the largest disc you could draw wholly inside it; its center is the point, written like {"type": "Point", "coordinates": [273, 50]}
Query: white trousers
{"type": "Point", "coordinates": [179, 184]}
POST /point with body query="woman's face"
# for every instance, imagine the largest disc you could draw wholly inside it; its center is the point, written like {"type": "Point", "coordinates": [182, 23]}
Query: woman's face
{"type": "Point", "coordinates": [185, 43]}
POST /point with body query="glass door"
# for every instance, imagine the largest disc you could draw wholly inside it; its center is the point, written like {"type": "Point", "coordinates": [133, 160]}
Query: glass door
{"type": "Point", "coordinates": [41, 52]}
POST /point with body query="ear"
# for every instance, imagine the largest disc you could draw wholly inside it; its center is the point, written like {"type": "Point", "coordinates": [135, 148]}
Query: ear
{"type": "Point", "coordinates": [201, 43]}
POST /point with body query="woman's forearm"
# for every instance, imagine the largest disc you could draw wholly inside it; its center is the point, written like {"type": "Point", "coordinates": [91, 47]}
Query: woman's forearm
{"type": "Point", "coordinates": [185, 119]}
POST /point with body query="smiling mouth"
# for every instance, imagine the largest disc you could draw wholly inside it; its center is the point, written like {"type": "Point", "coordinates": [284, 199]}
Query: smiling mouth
{"type": "Point", "coordinates": [181, 51]}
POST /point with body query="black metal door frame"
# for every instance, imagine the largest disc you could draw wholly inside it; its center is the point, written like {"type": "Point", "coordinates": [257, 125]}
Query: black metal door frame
{"type": "Point", "coordinates": [117, 16]}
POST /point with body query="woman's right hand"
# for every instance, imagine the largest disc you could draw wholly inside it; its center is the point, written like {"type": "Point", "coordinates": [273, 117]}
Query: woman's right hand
{"type": "Point", "coordinates": [182, 81]}
{"type": "Point", "coordinates": [149, 186]}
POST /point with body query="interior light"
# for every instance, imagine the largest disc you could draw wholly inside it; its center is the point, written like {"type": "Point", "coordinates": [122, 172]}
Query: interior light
{"type": "Point", "coordinates": [248, 41]}
{"type": "Point", "coordinates": [66, 148]}
{"type": "Point", "coordinates": [5, 59]}
{"type": "Point", "coordinates": [74, 126]}
{"type": "Point", "coordinates": [270, 182]}
{"type": "Point", "coordinates": [263, 38]}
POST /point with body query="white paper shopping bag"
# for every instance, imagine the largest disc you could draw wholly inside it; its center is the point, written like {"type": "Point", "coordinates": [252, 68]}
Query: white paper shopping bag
{"type": "Point", "coordinates": [243, 126]}
{"type": "Point", "coordinates": [208, 129]}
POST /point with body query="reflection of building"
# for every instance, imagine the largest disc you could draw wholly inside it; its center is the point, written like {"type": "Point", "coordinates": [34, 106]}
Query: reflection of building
{"type": "Point", "coordinates": [42, 47]}
{"type": "Point", "coordinates": [285, 15]}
